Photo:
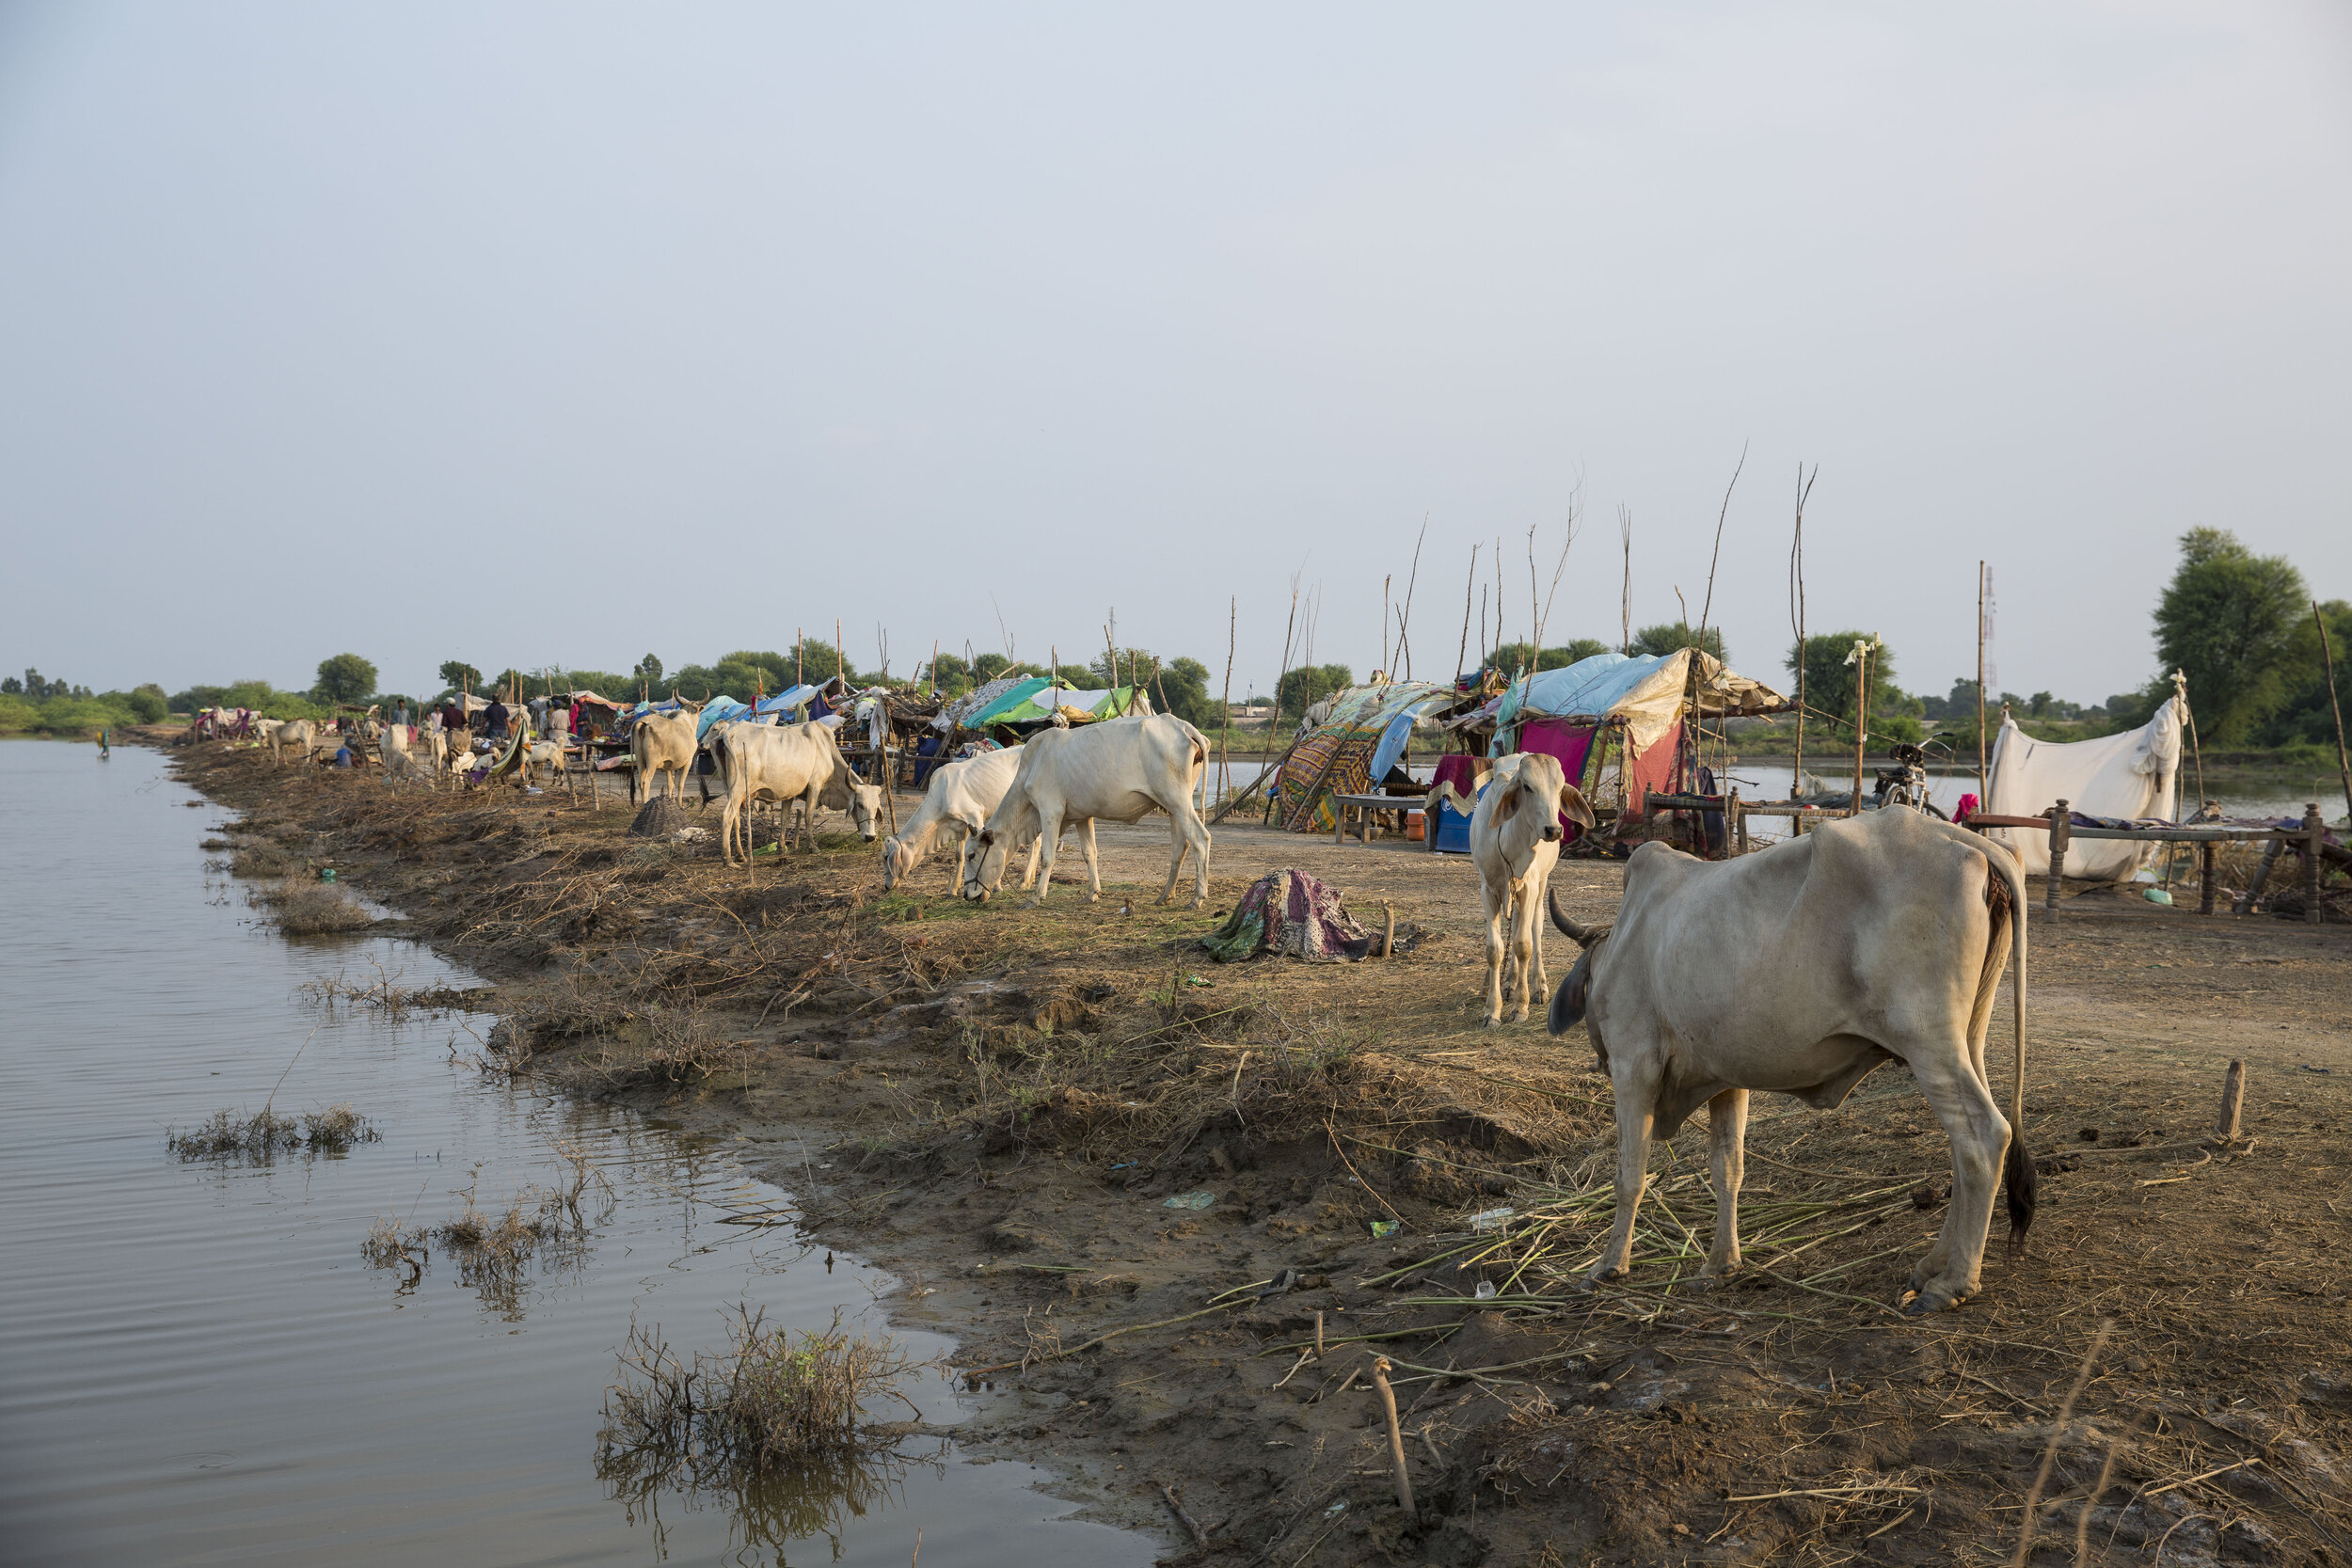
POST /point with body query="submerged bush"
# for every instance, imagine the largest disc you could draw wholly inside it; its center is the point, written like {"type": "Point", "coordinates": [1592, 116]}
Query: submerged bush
{"type": "Point", "coordinates": [232, 1134]}
{"type": "Point", "coordinates": [306, 909]}
{"type": "Point", "coordinates": [771, 1398]}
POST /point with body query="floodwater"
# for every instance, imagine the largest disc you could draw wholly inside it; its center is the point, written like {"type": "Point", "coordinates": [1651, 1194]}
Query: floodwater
{"type": "Point", "coordinates": [197, 1366]}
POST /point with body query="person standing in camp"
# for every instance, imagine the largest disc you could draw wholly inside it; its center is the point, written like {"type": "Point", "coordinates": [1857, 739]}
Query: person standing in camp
{"type": "Point", "coordinates": [539, 714]}
{"type": "Point", "coordinates": [494, 720]}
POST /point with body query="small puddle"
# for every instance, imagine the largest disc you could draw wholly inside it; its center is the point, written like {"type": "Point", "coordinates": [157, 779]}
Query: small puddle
{"type": "Point", "coordinates": [197, 1363]}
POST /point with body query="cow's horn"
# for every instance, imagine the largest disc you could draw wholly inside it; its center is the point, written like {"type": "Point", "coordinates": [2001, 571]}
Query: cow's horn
{"type": "Point", "coordinates": [1583, 936]}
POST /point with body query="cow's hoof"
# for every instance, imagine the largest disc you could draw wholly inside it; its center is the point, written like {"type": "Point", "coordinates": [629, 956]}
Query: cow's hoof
{"type": "Point", "coordinates": [1604, 1274]}
{"type": "Point", "coordinates": [1934, 1298]}
{"type": "Point", "coordinates": [1494, 1023]}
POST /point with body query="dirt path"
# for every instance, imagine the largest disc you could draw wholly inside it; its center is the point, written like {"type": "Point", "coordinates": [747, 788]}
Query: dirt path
{"type": "Point", "coordinates": [1000, 1104]}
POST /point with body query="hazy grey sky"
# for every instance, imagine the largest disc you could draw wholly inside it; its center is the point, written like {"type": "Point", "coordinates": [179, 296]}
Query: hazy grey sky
{"type": "Point", "coordinates": [534, 334]}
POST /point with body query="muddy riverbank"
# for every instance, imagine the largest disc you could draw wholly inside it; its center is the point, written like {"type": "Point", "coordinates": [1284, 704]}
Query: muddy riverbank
{"type": "Point", "coordinates": [1128, 1181]}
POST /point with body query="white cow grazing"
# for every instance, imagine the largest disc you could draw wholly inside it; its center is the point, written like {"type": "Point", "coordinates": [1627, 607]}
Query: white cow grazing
{"type": "Point", "coordinates": [1514, 842]}
{"type": "Point", "coordinates": [961, 795]}
{"type": "Point", "coordinates": [662, 743]}
{"type": "Point", "coordinates": [783, 764]}
{"type": "Point", "coordinates": [1117, 770]}
{"type": "Point", "coordinates": [298, 733]}
{"type": "Point", "coordinates": [1798, 970]}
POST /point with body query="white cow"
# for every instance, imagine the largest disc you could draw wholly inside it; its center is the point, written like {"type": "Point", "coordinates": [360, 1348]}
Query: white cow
{"type": "Point", "coordinates": [961, 795]}
{"type": "Point", "coordinates": [300, 733]}
{"type": "Point", "coordinates": [1798, 970]}
{"type": "Point", "coordinates": [662, 743]}
{"type": "Point", "coordinates": [543, 756]}
{"type": "Point", "coordinates": [1514, 842]}
{"type": "Point", "coordinates": [784, 764]}
{"type": "Point", "coordinates": [1119, 771]}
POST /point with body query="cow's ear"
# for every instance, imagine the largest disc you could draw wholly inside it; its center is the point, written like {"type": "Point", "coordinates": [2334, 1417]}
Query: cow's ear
{"type": "Point", "coordinates": [1575, 807]}
{"type": "Point", "coordinates": [1508, 802]}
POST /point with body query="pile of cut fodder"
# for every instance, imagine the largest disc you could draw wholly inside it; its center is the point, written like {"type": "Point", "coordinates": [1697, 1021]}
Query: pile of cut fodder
{"type": "Point", "coordinates": [660, 818]}
{"type": "Point", "coordinates": [1289, 914]}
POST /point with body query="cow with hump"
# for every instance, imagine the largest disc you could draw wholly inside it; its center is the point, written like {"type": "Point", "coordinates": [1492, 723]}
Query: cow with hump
{"type": "Point", "coordinates": [1514, 842]}
{"type": "Point", "coordinates": [1799, 969]}
{"type": "Point", "coordinates": [961, 795]}
{"type": "Point", "coordinates": [1117, 770]}
{"type": "Point", "coordinates": [788, 763]}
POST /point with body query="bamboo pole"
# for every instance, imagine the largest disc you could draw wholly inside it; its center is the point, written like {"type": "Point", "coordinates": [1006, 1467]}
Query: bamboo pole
{"type": "Point", "coordinates": [1405, 619]}
{"type": "Point", "coordinates": [2327, 663]}
{"type": "Point", "coordinates": [1984, 781]}
{"type": "Point", "coordinates": [1225, 705]}
{"type": "Point", "coordinates": [1861, 719]}
{"type": "Point", "coordinates": [1462, 652]}
{"type": "Point", "coordinates": [1796, 615]}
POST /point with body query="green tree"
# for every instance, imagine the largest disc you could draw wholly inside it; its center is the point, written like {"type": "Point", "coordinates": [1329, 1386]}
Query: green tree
{"type": "Point", "coordinates": [1671, 636]}
{"type": "Point", "coordinates": [149, 704]}
{"type": "Point", "coordinates": [648, 672]}
{"type": "Point", "coordinates": [1308, 684]}
{"type": "Point", "coordinates": [1828, 687]}
{"type": "Point", "coordinates": [2304, 716]}
{"type": "Point", "coordinates": [459, 675]}
{"type": "Point", "coordinates": [2229, 618]}
{"type": "Point", "coordinates": [1514, 655]}
{"type": "Point", "coordinates": [344, 679]}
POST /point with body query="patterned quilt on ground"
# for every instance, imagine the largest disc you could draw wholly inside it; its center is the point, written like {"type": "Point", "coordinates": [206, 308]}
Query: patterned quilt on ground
{"type": "Point", "coordinates": [1289, 914]}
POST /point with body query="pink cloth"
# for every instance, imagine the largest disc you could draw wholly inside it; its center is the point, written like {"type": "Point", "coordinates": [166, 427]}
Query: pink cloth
{"type": "Point", "coordinates": [1458, 771]}
{"type": "Point", "coordinates": [1966, 809]}
{"type": "Point", "coordinates": [1570, 743]}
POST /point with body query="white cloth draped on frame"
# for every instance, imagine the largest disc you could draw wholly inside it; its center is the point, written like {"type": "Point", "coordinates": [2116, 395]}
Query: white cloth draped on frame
{"type": "Point", "coordinates": [2134, 774]}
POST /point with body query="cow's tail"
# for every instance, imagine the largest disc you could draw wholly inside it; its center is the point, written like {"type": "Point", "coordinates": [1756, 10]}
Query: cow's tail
{"type": "Point", "coordinates": [2020, 1183]}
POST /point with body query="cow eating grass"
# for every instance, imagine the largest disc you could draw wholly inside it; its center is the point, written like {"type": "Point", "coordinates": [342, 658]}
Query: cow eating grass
{"type": "Point", "coordinates": [1116, 770]}
{"type": "Point", "coordinates": [1799, 970]}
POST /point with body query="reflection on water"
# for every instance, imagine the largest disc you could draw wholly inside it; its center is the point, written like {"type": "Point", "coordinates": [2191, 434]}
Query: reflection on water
{"type": "Point", "coordinates": [390, 1353]}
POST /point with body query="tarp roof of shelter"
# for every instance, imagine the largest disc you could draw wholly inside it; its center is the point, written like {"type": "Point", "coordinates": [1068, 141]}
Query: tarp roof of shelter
{"type": "Point", "coordinates": [586, 696]}
{"type": "Point", "coordinates": [1375, 706]}
{"type": "Point", "coordinates": [1116, 702]}
{"type": "Point", "coordinates": [987, 695]}
{"type": "Point", "coordinates": [784, 701]}
{"type": "Point", "coordinates": [716, 710]}
{"type": "Point", "coordinates": [1646, 690]}
{"type": "Point", "coordinates": [1012, 697]}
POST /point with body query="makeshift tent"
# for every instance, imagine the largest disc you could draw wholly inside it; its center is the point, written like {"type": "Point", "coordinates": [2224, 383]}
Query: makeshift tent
{"type": "Point", "coordinates": [1615, 721]}
{"type": "Point", "coordinates": [2134, 775]}
{"type": "Point", "coordinates": [1074, 704]}
{"type": "Point", "coordinates": [1366, 723]}
{"type": "Point", "coordinates": [1291, 914]}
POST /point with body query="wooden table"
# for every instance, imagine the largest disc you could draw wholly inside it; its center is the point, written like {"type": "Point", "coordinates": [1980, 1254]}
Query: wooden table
{"type": "Point", "coordinates": [1364, 808]}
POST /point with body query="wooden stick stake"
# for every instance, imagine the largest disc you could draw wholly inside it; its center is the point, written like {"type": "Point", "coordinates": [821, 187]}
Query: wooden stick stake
{"type": "Point", "coordinates": [1225, 704]}
{"type": "Point", "coordinates": [1176, 1506]}
{"type": "Point", "coordinates": [1318, 1333]}
{"type": "Point", "coordinates": [2232, 1103]}
{"type": "Point", "coordinates": [1396, 1437]}
{"type": "Point", "coordinates": [1462, 652]}
{"type": "Point", "coordinates": [1984, 786]}
{"type": "Point", "coordinates": [2327, 663]}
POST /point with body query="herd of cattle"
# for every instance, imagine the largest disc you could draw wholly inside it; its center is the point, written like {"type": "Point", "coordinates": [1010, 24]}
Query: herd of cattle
{"type": "Point", "coordinates": [1798, 970]}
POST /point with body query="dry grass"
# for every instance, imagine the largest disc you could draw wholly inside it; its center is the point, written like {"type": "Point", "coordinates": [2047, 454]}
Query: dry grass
{"type": "Point", "coordinates": [771, 1400]}
{"type": "Point", "coordinates": [308, 909]}
{"type": "Point", "coordinates": [232, 1134]}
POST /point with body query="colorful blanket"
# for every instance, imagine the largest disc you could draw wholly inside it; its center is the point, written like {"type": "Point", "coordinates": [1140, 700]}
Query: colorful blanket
{"type": "Point", "coordinates": [1289, 914]}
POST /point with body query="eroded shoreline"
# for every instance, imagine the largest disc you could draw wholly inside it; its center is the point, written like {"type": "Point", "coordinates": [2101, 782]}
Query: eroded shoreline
{"type": "Point", "coordinates": [1009, 1098]}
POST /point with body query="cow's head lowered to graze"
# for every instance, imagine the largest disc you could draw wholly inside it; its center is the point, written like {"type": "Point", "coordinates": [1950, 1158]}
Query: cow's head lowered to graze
{"type": "Point", "coordinates": [984, 867]}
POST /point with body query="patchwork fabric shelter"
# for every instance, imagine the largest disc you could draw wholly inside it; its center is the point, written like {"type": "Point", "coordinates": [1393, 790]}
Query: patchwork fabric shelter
{"type": "Point", "coordinates": [1367, 725]}
{"type": "Point", "coordinates": [2135, 776]}
{"type": "Point", "coordinates": [1615, 721]}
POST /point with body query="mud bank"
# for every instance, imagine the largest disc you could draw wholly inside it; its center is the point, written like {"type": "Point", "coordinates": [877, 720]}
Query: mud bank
{"type": "Point", "coordinates": [1131, 1181]}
